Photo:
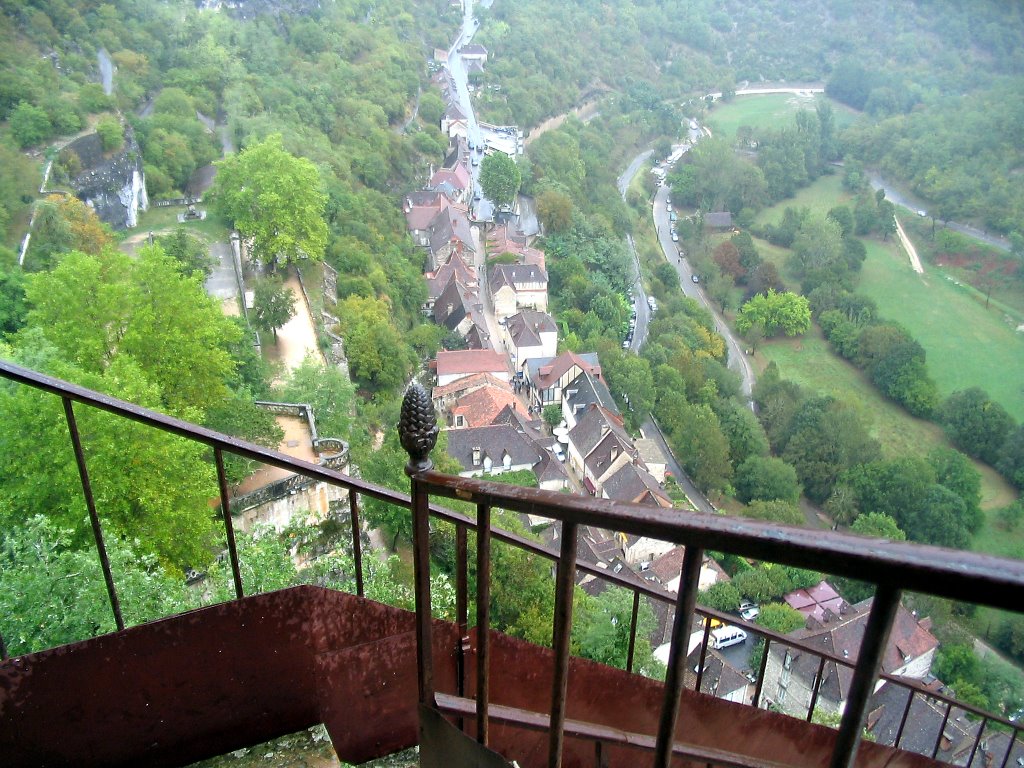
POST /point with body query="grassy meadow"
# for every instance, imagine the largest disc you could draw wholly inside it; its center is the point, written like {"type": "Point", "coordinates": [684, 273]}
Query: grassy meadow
{"type": "Point", "coordinates": [770, 110]}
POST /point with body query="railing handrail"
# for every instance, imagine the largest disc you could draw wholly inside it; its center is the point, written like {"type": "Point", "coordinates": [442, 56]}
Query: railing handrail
{"type": "Point", "coordinates": [956, 574]}
{"type": "Point", "coordinates": [759, 540]}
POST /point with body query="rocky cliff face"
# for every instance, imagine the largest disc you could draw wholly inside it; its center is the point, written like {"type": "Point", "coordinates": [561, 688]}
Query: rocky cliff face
{"type": "Point", "coordinates": [115, 185]}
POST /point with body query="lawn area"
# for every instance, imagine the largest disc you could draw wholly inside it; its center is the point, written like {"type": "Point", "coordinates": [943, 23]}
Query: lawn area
{"type": "Point", "coordinates": [824, 194]}
{"type": "Point", "coordinates": [770, 110]}
{"type": "Point", "coordinates": [166, 218]}
{"type": "Point", "coordinates": [967, 345]}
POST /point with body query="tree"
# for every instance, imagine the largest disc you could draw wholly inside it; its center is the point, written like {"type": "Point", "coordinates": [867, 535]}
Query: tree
{"type": "Point", "coordinates": [111, 133]}
{"type": "Point", "coordinates": [1011, 456]}
{"type": "Point", "coordinates": [188, 250]}
{"type": "Point", "coordinates": [975, 423]}
{"type": "Point", "coordinates": [273, 305]}
{"type": "Point", "coordinates": [95, 309]}
{"type": "Point", "coordinates": [767, 478]}
{"type": "Point", "coordinates": [775, 511]}
{"type": "Point", "coordinates": [955, 471]}
{"type": "Point", "coordinates": [275, 199]}
{"type": "Point", "coordinates": [29, 125]}
{"type": "Point", "coordinates": [696, 438]}
{"type": "Point", "coordinates": [379, 357]}
{"type": "Point", "coordinates": [722, 596]}
{"type": "Point", "coordinates": [500, 179]}
{"type": "Point", "coordinates": [787, 312]}
{"type": "Point", "coordinates": [601, 631]}
{"type": "Point", "coordinates": [554, 209]}
{"type": "Point", "coordinates": [780, 618]}
{"type": "Point", "coordinates": [552, 415]}
{"type": "Point", "coordinates": [12, 300]}
{"type": "Point", "coordinates": [878, 525]}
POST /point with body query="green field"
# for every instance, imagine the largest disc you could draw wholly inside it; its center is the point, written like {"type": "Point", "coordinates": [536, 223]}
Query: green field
{"type": "Point", "coordinates": [967, 345]}
{"type": "Point", "coordinates": [771, 110]}
{"type": "Point", "coordinates": [809, 362]}
{"type": "Point", "coordinates": [824, 194]}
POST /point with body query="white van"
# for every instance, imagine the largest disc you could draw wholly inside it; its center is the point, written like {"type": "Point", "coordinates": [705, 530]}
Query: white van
{"type": "Point", "coordinates": [725, 636]}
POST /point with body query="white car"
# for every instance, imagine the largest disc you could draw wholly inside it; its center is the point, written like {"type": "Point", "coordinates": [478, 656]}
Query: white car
{"type": "Point", "coordinates": [749, 611]}
{"type": "Point", "coordinates": [675, 238]}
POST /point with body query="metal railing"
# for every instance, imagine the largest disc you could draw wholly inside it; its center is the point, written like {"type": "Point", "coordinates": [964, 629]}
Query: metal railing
{"type": "Point", "coordinates": [892, 567]}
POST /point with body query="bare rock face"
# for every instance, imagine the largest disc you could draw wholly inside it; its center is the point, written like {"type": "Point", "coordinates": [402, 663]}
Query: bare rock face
{"type": "Point", "coordinates": [112, 185]}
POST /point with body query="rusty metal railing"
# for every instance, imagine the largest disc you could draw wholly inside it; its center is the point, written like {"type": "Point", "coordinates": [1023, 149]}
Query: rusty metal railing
{"type": "Point", "coordinates": [893, 567]}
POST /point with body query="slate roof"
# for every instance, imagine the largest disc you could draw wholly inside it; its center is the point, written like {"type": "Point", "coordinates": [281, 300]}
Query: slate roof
{"type": "Point", "coordinates": [458, 177]}
{"type": "Point", "coordinates": [841, 635]}
{"type": "Point", "coordinates": [885, 711]}
{"type": "Point", "coordinates": [590, 430]}
{"type": "Point", "coordinates": [718, 219]}
{"type": "Point", "coordinates": [449, 224]}
{"type": "Point", "coordinates": [585, 390]}
{"type": "Point", "coordinates": [493, 441]}
{"type": "Point", "coordinates": [544, 372]}
{"type": "Point", "coordinates": [516, 275]}
{"type": "Point", "coordinates": [634, 484]}
{"type": "Point", "coordinates": [720, 678]}
{"type": "Point", "coordinates": [455, 268]}
{"type": "Point", "coordinates": [525, 327]}
{"type": "Point", "coordinates": [473, 49]}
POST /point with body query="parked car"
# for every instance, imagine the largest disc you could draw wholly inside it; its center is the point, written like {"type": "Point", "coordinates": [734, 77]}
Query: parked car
{"type": "Point", "coordinates": [695, 278]}
{"type": "Point", "coordinates": [675, 238]}
{"type": "Point", "coordinates": [749, 611]}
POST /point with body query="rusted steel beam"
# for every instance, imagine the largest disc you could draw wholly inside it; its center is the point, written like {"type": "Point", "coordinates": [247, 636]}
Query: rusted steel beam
{"type": "Point", "coordinates": [229, 529]}
{"type": "Point", "coordinates": [461, 605]}
{"type": "Point", "coordinates": [688, 581]}
{"type": "Point", "coordinates": [703, 654]}
{"type": "Point", "coordinates": [632, 631]}
{"type": "Point", "coordinates": [565, 581]}
{"type": "Point", "coordinates": [483, 619]}
{"type": "Point", "coordinates": [1009, 748]}
{"type": "Point", "coordinates": [942, 730]}
{"type": "Point", "coordinates": [977, 740]}
{"type": "Point", "coordinates": [760, 673]}
{"type": "Point", "coordinates": [94, 519]}
{"type": "Point", "coordinates": [960, 575]}
{"type": "Point", "coordinates": [537, 721]}
{"type": "Point", "coordinates": [816, 689]}
{"type": "Point", "coordinates": [357, 543]}
{"type": "Point", "coordinates": [869, 661]}
{"type": "Point", "coordinates": [903, 720]}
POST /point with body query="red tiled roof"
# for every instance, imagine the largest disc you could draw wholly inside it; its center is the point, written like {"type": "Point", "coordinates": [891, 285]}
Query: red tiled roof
{"type": "Point", "coordinates": [480, 407]}
{"type": "Point", "coordinates": [470, 361]}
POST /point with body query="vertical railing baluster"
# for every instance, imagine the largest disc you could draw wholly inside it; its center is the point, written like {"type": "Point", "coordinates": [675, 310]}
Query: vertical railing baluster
{"type": "Point", "coordinates": [461, 604]}
{"type": "Point", "coordinates": [903, 720]}
{"type": "Point", "coordinates": [685, 602]}
{"type": "Point", "coordinates": [703, 652]}
{"type": "Point", "coordinates": [815, 689]}
{"type": "Point", "coordinates": [483, 619]}
{"type": "Point", "coordinates": [600, 755]}
{"type": "Point", "coordinates": [869, 660]}
{"type": "Point", "coordinates": [417, 432]}
{"type": "Point", "coordinates": [229, 530]}
{"type": "Point", "coordinates": [357, 542]}
{"type": "Point", "coordinates": [942, 729]}
{"type": "Point", "coordinates": [760, 673]}
{"type": "Point", "coordinates": [565, 581]}
{"type": "Point", "coordinates": [1009, 748]}
{"type": "Point", "coordinates": [977, 740]}
{"type": "Point", "coordinates": [94, 519]}
{"type": "Point", "coordinates": [632, 631]}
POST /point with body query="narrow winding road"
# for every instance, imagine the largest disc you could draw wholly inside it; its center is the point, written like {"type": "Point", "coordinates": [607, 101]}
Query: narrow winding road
{"type": "Point", "coordinates": [643, 312]}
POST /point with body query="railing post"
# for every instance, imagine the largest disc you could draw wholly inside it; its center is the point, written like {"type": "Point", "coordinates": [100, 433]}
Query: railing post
{"type": "Point", "coordinates": [417, 431]}
{"type": "Point", "coordinates": [229, 530]}
{"type": "Point", "coordinates": [483, 619]}
{"type": "Point", "coordinates": [461, 607]}
{"type": "Point", "coordinates": [977, 741]}
{"type": "Point", "coordinates": [90, 503]}
{"type": "Point", "coordinates": [942, 729]}
{"type": "Point", "coordinates": [565, 581]}
{"type": "Point", "coordinates": [357, 544]}
{"type": "Point", "coordinates": [1009, 749]}
{"type": "Point", "coordinates": [632, 631]}
{"type": "Point", "coordinates": [903, 720]}
{"type": "Point", "coordinates": [760, 673]}
{"type": "Point", "coordinates": [685, 601]}
{"type": "Point", "coordinates": [815, 689]}
{"type": "Point", "coordinates": [703, 652]}
{"type": "Point", "coordinates": [869, 660]}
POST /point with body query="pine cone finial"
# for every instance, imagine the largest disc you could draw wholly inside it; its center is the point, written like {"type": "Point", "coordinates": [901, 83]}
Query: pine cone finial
{"type": "Point", "coordinates": [417, 428]}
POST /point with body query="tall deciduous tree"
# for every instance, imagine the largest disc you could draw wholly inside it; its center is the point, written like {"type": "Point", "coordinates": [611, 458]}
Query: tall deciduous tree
{"type": "Point", "coordinates": [273, 305]}
{"type": "Point", "coordinates": [975, 423]}
{"type": "Point", "coordinates": [274, 198]}
{"type": "Point", "coordinates": [787, 313]}
{"type": "Point", "coordinates": [500, 179]}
